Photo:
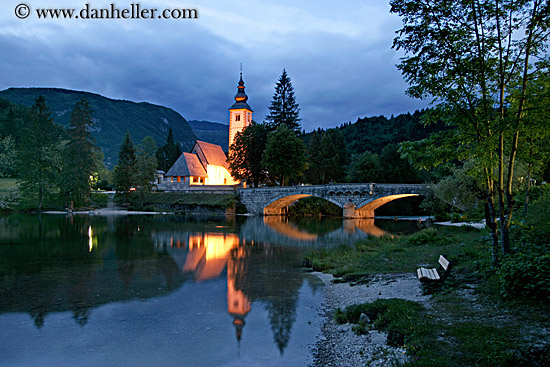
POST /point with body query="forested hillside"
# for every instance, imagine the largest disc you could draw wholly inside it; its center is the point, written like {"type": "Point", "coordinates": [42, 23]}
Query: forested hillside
{"type": "Point", "coordinates": [211, 132]}
{"type": "Point", "coordinates": [112, 118]}
{"type": "Point", "coordinates": [367, 150]}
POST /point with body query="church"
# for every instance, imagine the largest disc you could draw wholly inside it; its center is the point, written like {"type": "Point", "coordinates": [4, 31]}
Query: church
{"type": "Point", "coordinates": [206, 164]}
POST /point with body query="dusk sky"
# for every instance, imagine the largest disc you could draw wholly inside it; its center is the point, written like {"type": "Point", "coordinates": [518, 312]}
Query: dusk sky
{"type": "Point", "coordinates": [338, 55]}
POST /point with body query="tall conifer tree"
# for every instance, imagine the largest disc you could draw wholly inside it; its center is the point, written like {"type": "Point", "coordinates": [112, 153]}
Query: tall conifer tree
{"type": "Point", "coordinates": [169, 153]}
{"type": "Point", "coordinates": [284, 109]}
{"type": "Point", "coordinates": [125, 170]}
{"type": "Point", "coordinates": [39, 155]}
{"type": "Point", "coordinates": [80, 155]}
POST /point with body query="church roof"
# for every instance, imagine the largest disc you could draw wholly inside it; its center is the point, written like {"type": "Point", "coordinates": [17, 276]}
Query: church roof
{"type": "Point", "coordinates": [210, 154]}
{"type": "Point", "coordinates": [239, 105]}
{"type": "Point", "coordinates": [188, 164]}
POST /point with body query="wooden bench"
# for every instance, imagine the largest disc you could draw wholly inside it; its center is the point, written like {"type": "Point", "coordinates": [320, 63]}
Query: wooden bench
{"type": "Point", "coordinates": [431, 275]}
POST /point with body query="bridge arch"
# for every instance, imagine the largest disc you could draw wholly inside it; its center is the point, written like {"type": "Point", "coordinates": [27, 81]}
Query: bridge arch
{"type": "Point", "coordinates": [278, 205]}
{"type": "Point", "coordinates": [366, 209]}
{"type": "Point", "coordinates": [357, 200]}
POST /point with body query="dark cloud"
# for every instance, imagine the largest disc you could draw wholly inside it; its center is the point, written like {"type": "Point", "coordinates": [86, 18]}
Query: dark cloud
{"type": "Point", "coordinates": [341, 68]}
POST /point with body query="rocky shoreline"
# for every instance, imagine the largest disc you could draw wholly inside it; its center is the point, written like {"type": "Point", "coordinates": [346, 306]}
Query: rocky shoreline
{"type": "Point", "coordinates": [338, 345]}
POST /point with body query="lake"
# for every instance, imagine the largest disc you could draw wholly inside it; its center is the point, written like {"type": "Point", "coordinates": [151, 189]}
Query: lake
{"type": "Point", "coordinates": [164, 290]}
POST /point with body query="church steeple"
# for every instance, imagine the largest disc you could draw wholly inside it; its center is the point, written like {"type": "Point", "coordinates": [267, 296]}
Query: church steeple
{"type": "Point", "coordinates": [241, 95]}
{"type": "Point", "coordinates": [240, 113]}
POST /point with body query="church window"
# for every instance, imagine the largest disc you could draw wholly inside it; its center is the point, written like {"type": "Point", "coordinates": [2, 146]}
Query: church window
{"type": "Point", "coordinates": [237, 117]}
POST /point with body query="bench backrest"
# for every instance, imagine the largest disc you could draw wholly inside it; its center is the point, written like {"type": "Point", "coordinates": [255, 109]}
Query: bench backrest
{"type": "Point", "coordinates": [444, 263]}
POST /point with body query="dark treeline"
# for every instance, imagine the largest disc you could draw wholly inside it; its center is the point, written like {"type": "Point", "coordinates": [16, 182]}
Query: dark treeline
{"type": "Point", "coordinates": [58, 167]}
{"type": "Point", "coordinates": [366, 151]}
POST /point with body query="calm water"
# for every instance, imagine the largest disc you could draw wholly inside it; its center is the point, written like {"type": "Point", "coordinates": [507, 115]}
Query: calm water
{"type": "Point", "coordinates": [163, 290]}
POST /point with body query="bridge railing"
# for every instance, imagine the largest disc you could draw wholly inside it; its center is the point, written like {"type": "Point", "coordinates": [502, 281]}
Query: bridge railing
{"type": "Point", "coordinates": [341, 186]}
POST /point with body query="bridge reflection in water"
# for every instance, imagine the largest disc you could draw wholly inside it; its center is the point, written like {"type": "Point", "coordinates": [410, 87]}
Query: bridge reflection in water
{"type": "Point", "coordinates": [350, 226]}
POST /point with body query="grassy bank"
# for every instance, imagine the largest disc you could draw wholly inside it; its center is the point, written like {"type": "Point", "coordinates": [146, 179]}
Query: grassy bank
{"type": "Point", "coordinates": [173, 201]}
{"type": "Point", "coordinates": [476, 318]}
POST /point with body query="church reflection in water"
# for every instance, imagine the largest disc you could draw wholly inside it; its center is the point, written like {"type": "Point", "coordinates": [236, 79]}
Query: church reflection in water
{"type": "Point", "coordinates": [208, 254]}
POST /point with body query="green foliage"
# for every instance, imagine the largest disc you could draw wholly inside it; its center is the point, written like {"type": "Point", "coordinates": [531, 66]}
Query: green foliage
{"type": "Point", "coordinates": [402, 320]}
{"type": "Point", "coordinates": [12, 120]}
{"type": "Point", "coordinates": [99, 199]}
{"type": "Point", "coordinates": [8, 156]}
{"type": "Point", "coordinates": [112, 118]}
{"type": "Point", "coordinates": [480, 73]}
{"type": "Point", "coordinates": [539, 210]}
{"type": "Point", "coordinates": [79, 161]}
{"type": "Point", "coordinates": [365, 168]}
{"type": "Point", "coordinates": [462, 189]}
{"type": "Point", "coordinates": [429, 236]}
{"type": "Point", "coordinates": [102, 178]}
{"type": "Point", "coordinates": [245, 154]}
{"type": "Point", "coordinates": [283, 108]}
{"type": "Point", "coordinates": [169, 153]}
{"type": "Point", "coordinates": [39, 155]}
{"type": "Point", "coordinates": [146, 166]}
{"type": "Point", "coordinates": [487, 345]}
{"type": "Point", "coordinates": [284, 155]}
{"type": "Point", "coordinates": [388, 167]}
{"type": "Point", "coordinates": [374, 133]}
{"type": "Point", "coordinates": [211, 132]}
{"type": "Point", "coordinates": [125, 170]}
{"type": "Point", "coordinates": [526, 271]}
{"type": "Point", "coordinates": [313, 206]}
{"type": "Point", "coordinates": [173, 201]}
{"type": "Point", "coordinates": [329, 162]}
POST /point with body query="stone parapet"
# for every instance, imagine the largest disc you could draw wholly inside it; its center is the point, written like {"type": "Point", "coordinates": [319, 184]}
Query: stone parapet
{"type": "Point", "coordinates": [365, 198]}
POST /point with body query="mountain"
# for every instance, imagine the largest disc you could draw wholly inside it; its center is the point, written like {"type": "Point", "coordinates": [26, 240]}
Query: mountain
{"type": "Point", "coordinates": [113, 118]}
{"type": "Point", "coordinates": [211, 132]}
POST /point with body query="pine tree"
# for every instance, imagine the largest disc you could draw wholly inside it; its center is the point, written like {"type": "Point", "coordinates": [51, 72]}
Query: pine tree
{"type": "Point", "coordinates": [284, 109]}
{"type": "Point", "coordinates": [39, 155]}
{"type": "Point", "coordinates": [80, 155]}
{"type": "Point", "coordinates": [169, 153]}
{"type": "Point", "coordinates": [125, 170]}
{"type": "Point", "coordinates": [146, 166]}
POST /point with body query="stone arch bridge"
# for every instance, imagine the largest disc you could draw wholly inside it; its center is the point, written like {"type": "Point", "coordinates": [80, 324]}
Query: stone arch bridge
{"type": "Point", "coordinates": [356, 200]}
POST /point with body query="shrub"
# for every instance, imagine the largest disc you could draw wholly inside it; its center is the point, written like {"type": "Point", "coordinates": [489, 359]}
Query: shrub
{"type": "Point", "coordinates": [526, 271]}
{"type": "Point", "coordinates": [424, 237]}
{"type": "Point", "coordinates": [525, 274]}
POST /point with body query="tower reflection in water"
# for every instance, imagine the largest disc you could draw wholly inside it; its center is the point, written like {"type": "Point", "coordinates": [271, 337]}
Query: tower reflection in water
{"type": "Point", "coordinates": [208, 254]}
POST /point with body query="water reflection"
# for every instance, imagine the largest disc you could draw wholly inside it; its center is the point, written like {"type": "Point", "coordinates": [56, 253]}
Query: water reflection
{"type": "Point", "coordinates": [56, 265]}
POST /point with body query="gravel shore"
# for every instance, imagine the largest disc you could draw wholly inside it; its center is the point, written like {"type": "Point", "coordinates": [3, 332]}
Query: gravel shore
{"type": "Point", "coordinates": [338, 345]}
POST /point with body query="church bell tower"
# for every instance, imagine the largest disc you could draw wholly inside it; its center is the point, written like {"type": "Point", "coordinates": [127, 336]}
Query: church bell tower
{"type": "Point", "coordinates": [240, 114]}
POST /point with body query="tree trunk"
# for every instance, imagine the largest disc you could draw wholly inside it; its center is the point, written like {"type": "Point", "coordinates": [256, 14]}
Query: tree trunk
{"type": "Point", "coordinates": [40, 197]}
{"type": "Point", "coordinates": [528, 188]}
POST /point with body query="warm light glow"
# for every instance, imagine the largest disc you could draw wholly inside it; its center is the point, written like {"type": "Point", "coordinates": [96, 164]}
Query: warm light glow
{"type": "Point", "coordinates": [366, 225]}
{"type": "Point", "coordinates": [279, 224]}
{"type": "Point", "coordinates": [208, 254]}
{"type": "Point", "coordinates": [218, 175]}
{"type": "Point", "coordinates": [375, 204]}
{"type": "Point", "coordinates": [92, 242]}
{"type": "Point", "coordinates": [219, 245]}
